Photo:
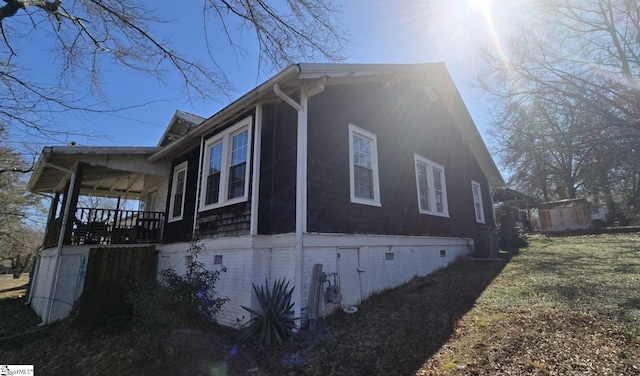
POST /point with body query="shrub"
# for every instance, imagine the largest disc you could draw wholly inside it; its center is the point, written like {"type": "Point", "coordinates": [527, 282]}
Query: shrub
{"type": "Point", "coordinates": [510, 236]}
{"type": "Point", "coordinates": [275, 322]}
{"type": "Point", "coordinates": [182, 299]}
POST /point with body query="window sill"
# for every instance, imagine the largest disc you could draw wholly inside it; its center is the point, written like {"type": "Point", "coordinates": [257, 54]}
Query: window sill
{"type": "Point", "coordinates": [362, 201]}
{"type": "Point", "coordinates": [219, 205]}
{"type": "Point", "coordinates": [174, 219]}
{"type": "Point", "coordinates": [435, 214]}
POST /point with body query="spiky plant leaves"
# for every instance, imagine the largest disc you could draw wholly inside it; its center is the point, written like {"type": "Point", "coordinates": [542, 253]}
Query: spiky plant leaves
{"type": "Point", "coordinates": [276, 322]}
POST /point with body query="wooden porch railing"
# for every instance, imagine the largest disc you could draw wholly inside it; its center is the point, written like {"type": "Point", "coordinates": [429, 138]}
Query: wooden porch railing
{"type": "Point", "coordinates": [109, 226]}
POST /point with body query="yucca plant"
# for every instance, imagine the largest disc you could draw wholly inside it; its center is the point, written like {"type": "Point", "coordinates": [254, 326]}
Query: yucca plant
{"type": "Point", "coordinates": [276, 322]}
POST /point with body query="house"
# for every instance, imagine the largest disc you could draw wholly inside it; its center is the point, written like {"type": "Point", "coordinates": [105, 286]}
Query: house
{"type": "Point", "coordinates": [377, 172]}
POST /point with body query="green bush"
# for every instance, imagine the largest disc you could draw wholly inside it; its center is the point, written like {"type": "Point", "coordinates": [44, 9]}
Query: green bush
{"type": "Point", "coordinates": [510, 236]}
{"type": "Point", "coordinates": [275, 322]}
{"type": "Point", "coordinates": [185, 299]}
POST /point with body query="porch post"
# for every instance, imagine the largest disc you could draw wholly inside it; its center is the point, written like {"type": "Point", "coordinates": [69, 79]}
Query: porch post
{"type": "Point", "coordinates": [65, 220]}
{"type": "Point", "coordinates": [51, 218]}
{"type": "Point", "coordinates": [72, 204]}
{"type": "Point", "coordinates": [301, 192]}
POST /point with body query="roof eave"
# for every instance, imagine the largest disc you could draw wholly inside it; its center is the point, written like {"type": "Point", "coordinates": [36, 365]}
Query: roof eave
{"type": "Point", "coordinates": [471, 135]}
{"type": "Point", "coordinates": [230, 110]}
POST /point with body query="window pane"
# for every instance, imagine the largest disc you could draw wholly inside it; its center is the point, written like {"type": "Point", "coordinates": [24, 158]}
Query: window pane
{"type": "Point", "coordinates": [439, 204]}
{"type": "Point", "coordinates": [363, 180]}
{"type": "Point", "coordinates": [437, 183]}
{"type": "Point", "coordinates": [238, 168]}
{"type": "Point", "coordinates": [215, 159]}
{"type": "Point", "coordinates": [177, 205]}
{"type": "Point", "coordinates": [180, 181]}
{"type": "Point", "coordinates": [179, 194]}
{"type": "Point", "coordinates": [239, 148]}
{"type": "Point", "coordinates": [213, 188]}
{"type": "Point", "coordinates": [362, 152]}
{"type": "Point", "coordinates": [437, 179]}
{"type": "Point", "coordinates": [423, 187]}
{"type": "Point", "coordinates": [237, 180]}
{"type": "Point", "coordinates": [477, 200]}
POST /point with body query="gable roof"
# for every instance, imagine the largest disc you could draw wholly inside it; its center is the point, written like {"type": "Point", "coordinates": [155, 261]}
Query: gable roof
{"type": "Point", "coordinates": [181, 124]}
{"type": "Point", "coordinates": [295, 76]}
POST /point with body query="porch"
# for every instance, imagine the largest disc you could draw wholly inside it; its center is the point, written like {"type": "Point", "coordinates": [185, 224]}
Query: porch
{"type": "Point", "coordinates": [93, 191]}
{"type": "Point", "coordinates": [107, 226]}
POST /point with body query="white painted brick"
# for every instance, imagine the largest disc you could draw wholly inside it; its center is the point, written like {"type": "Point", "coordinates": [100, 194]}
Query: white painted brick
{"type": "Point", "coordinates": [274, 258]}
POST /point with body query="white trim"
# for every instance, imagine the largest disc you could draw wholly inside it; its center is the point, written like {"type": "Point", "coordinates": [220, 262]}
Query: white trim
{"type": "Point", "coordinates": [477, 200]}
{"type": "Point", "coordinates": [174, 181]}
{"type": "Point", "coordinates": [255, 193]}
{"type": "Point", "coordinates": [354, 130]}
{"type": "Point", "coordinates": [194, 227]}
{"type": "Point", "coordinates": [225, 138]}
{"type": "Point", "coordinates": [431, 166]}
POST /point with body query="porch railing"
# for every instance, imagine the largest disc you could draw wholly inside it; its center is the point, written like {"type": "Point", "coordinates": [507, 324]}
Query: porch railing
{"type": "Point", "coordinates": [109, 226]}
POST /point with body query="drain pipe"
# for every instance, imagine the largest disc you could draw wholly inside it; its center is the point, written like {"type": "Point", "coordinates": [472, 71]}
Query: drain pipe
{"type": "Point", "coordinates": [63, 230]}
{"type": "Point", "coordinates": [301, 189]}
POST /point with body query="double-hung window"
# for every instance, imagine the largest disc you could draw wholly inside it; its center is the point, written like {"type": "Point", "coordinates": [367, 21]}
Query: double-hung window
{"type": "Point", "coordinates": [225, 168]}
{"type": "Point", "coordinates": [363, 167]}
{"type": "Point", "coordinates": [431, 186]}
{"type": "Point", "coordinates": [477, 201]}
{"type": "Point", "coordinates": [178, 184]}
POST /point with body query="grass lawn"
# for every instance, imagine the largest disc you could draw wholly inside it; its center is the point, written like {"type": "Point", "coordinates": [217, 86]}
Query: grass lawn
{"type": "Point", "coordinates": [565, 306]}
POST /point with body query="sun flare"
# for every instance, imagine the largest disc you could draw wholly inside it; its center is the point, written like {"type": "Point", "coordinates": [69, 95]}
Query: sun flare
{"type": "Point", "coordinates": [482, 5]}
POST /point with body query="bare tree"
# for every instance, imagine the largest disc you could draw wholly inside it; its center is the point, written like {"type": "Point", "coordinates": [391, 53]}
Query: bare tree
{"type": "Point", "coordinates": [86, 35]}
{"type": "Point", "coordinates": [578, 64]}
{"type": "Point", "coordinates": [19, 238]}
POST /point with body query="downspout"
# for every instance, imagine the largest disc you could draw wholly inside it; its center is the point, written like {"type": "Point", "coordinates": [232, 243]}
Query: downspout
{"type": "Point", "coordinates": [63, 230]}
{"type": "Point", "coordinates": [301, 184]}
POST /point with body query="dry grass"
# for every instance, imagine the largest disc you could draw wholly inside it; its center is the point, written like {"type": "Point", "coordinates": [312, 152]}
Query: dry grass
{"type": "Point", "coordinates": [13, 288]}
{"type": "Point", "coordinates": [567, 306]}
{"type": "Point", "coordinates": [564, 307]}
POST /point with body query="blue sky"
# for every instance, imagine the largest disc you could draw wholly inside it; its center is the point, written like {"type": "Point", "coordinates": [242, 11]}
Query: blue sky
{"type": "Point", "coordinates": [381, 31]}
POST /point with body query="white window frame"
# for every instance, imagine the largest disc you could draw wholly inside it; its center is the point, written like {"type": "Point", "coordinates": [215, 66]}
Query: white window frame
{"type": "Point", "coordinates": [174, 183]}
{"type": "Point", "coordinates": [477, 201]}
{"type": "Point", "coordinates": [372, 138]}
{"type": "Point", "coordinates": [430, 166]}
{"type": "Point", "coordinates": [226, 138]}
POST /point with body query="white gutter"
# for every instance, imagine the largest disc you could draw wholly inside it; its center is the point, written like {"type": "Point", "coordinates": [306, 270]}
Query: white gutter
{"type": "Point", "coordinates": [63, 230]}
{"type": "Point", "coordinates": [223, 115]}
{"type": "Point", "coordinates": [288, 99]}
{"type": "Point", "coordinates": [301, 191]}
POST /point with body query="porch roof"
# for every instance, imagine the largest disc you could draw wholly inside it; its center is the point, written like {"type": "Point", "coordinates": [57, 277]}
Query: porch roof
{"type": "Point", "coordinates": [107, 172]}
